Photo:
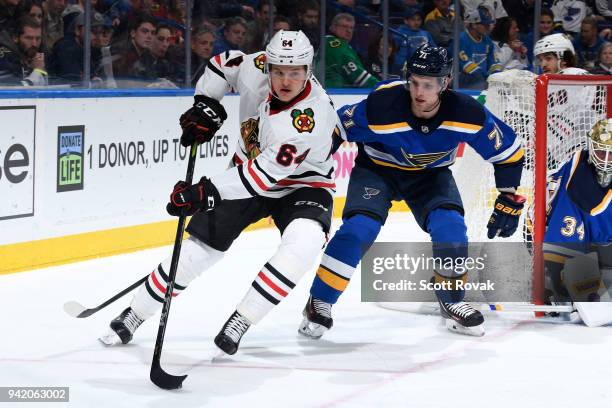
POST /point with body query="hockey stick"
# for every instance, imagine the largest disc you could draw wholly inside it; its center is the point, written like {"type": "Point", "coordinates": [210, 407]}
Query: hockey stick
{"type": "Point", "coordinates": [434, 308]}
{"type": "Point", "coordinates": [75, 309]}
{"type": "Point", "coordinates": [159, 377]}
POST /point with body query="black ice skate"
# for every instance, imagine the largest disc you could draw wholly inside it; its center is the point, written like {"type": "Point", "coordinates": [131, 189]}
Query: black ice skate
{"type": "Point", "coordinates": [317, 318]}
{"type": "Point", "coordinates": [462, 318]}
{"type": "Point", "coordinates": [122, 328]}
{"type": "Point", "coordinates": [229, 337]}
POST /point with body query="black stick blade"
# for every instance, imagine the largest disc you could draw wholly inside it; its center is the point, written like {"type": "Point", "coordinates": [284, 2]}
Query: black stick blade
{"type": "Point", "coordinates": [164, 380]}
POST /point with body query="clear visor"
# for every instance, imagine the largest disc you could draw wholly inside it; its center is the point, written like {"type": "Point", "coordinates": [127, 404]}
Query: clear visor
{"type": "Point", "coordinates": [426, 84]}
{"type": "Point", "coordinates": [601, 155]}
{"type": "Point", "coordinates": [293, 73]}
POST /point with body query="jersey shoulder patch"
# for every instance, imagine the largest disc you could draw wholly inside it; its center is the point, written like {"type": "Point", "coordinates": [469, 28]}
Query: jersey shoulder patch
{"type": "Point", "coordinates": [335, 43]}
{"type": "Point", "coordinates": [260, 62]}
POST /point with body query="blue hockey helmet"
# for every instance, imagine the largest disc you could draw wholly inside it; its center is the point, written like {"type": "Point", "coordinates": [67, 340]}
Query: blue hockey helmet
{"type": "Point", "coordinates": [429, 61]}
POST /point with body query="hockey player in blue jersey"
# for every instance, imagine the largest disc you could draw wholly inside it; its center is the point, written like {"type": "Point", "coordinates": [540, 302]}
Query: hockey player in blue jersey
{"type": "Point", "coordinates": [579, 220]}
{"type": "Point", "coordinates": [408, 134]}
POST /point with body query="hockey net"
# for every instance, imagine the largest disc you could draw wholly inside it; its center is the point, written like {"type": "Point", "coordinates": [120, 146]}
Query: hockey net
{"type": "Point", "coordinates": [552, 115]}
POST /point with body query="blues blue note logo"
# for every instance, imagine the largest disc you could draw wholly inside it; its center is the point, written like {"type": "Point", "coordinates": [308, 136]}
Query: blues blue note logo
{"type": "Point", "coordinates": [70, 157]}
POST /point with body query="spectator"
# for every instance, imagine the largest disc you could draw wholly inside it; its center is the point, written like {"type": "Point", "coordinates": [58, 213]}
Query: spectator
{"type": "Point", "coordinates": [232, 36]}
{"type": "Point", "coordinates": [522, 12]}
{"type": "Point", "coordinates": [135, 60]}
{"type": "Point", "coordinates": [604, 60]}
{"type": "Point", "coordinates": [308, 22]}
{"type": "Point", "coordinates": [8, 9]}
{"type": "Point", "coordinates": [587, 44]}
{"type": "Point", "coordinates": [413, 37]}
{"type": "Point", "coordinates": [66, 62]}
{"type": "Point", "coordinates": [202, 44]}
{"type": "Point", "coordinates": [217, 10]}
{"type": "Point", "coordinates": [509, 50]}
{"type": "Point", "coordinates": [604, 8]}
{"type": "Point", "coordinates": [53, 26]}
{"type": "Point", "coordinates": [439, 22]}
{"type": "Point", "coordinates": [163, 66]}
{"type": "Point", "coordinates": [496, 7]}
{"type": "Point", "coordinates": [569, 14]}
{"type": "Point", "coordinates": [476, 50]}
{"type": "Point", "coordinates": [281, 23]}
{"type": "Point", "coordinates": [343, 68]}
{"type": "Point", "coordinates": [374, 59]}
{"type": "Point", "coordinates": [159, 9]}
{"type": "Point", "coordinates": [31, 8]}
{"type": "Point", "coordinates": [257, 30]}
{"type": "Point", "coordinates": [547, 27]}
{"type": "Point", "coordinates": [21, 62]}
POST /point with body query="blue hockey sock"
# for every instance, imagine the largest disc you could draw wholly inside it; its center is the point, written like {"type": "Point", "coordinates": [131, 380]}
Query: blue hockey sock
{"type": "Point", "coordinates": [449, 239]}
{"type": "Point", "coordinates": [342, 255]}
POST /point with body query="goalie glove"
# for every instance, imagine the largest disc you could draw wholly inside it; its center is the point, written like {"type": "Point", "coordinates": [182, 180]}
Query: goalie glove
{"type": "Point", "coordinates": [506, 213]}
{"type": "Point", "coordinates": [187, 199]}
{"type": "Point", "coordinates": [202, 120]}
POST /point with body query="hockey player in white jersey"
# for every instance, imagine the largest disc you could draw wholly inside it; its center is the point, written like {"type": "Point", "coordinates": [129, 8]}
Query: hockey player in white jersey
{"type": "Point", "coordinates": [282, 168]}
{"type": "Point", "coordinates": [555, 54]}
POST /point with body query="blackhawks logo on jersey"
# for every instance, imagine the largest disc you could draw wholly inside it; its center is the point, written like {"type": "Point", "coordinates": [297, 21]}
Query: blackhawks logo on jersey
{"type": "Point", "coordinates": [260, 62]}
{"type": "Point", "coordinates": [249, 130]}
{"type": "Point", "coordinates": [303, 121]}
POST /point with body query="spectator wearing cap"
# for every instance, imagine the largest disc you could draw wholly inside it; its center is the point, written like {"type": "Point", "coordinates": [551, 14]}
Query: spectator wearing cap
{"type": "Point", "coordinates": [53, 23]}
{"type": "Point", "coordinates": [66, 62]}
{"type": "Point", "coordinates": [477, 58]}
{"type": "Point", "coordinates": [21, 62]}
{"type": "Point", "coordinates": [413, 36]}
{"type": "Point", "coordinates": [587, 44]}
{"type": "Point", "coordinates": [135, 60]}
{"type": "Point", "coordinates": [439, 23]}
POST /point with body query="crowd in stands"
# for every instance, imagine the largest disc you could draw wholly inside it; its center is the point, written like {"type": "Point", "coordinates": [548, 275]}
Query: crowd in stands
{"type": "Point", "coordinates": [141, 42]}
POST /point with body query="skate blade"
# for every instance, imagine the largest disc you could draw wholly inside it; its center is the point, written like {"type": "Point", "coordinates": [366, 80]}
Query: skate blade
{"type": "Point", "coordinates": [311, 330]}
{"type": "Point", "coordinates": [477, 331]}
{"type": "Point", "coordinates": [110, 339]}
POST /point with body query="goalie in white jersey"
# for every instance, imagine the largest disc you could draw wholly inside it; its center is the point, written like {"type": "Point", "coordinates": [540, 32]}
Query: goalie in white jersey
{"type": "Point", "coordinates": [282, 168]}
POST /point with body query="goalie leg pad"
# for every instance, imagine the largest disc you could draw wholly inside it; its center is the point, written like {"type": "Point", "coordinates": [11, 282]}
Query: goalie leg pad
{"type": "Point", "coordinates": [301, 243]}
{"type": "Point", "coordinates": [195, 258]}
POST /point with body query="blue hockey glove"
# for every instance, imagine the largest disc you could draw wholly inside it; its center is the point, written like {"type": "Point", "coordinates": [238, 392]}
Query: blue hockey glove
{"type": "Point", "coordinates": [186, 199]}
{"type": "Point", "coordinates": [506, 213]}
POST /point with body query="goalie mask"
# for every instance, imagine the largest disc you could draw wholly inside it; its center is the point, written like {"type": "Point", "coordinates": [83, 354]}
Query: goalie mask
{"type": "Point", "coordinates": [600, 150]}
{"type": "Point", "coordinates": [290, 48]}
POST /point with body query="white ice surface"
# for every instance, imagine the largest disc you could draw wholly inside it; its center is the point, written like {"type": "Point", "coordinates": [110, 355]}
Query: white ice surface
{"type": "Point", "coordinates": [371, 358]}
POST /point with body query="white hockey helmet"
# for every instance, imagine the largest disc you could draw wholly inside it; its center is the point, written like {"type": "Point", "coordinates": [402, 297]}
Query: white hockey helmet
{"type": "Point", "coordinates": [290, 48]}
{"type": "Point", "coordinates": [600, 150]}
{"type": "Point", "coordinates": [557, 43]}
